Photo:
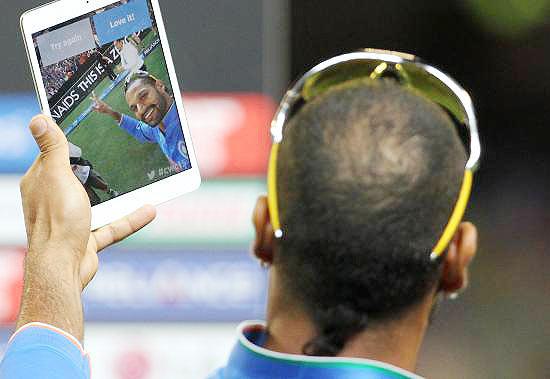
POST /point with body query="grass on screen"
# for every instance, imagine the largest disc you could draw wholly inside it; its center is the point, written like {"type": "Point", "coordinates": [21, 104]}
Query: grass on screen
{"type": "Point", "coordinates": [119, 158]}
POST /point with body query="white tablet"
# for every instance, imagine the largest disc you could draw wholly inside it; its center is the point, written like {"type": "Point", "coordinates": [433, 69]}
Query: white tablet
{"type": "Point", "coordinates": [103, 71]}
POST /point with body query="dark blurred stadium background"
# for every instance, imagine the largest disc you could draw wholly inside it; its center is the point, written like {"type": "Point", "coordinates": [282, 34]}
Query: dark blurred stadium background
{"type": "Point", "coordinates": [165, 303]}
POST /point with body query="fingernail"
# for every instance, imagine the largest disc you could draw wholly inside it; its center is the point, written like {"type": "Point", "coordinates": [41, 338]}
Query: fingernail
{"type": "Point", "coordinates": [38, 126]}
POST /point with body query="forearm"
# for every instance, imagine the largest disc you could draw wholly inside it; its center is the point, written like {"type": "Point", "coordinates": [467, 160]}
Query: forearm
{"type": "Point", "coordinates": [114, 114]}
{"type": "Point", "coordinates": [52, 292]}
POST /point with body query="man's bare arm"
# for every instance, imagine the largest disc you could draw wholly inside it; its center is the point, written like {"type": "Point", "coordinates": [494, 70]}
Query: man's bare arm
{"type": "Point", "coordinates": [102, 107]}
{"type": "Point", "coordinates": [51, 292]}
{"type": "Point", "coordinates": [62, 252]}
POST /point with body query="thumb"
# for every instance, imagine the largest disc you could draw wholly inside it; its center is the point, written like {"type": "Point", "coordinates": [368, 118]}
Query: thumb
{"type": "Point", "coordinates": [49, 137]}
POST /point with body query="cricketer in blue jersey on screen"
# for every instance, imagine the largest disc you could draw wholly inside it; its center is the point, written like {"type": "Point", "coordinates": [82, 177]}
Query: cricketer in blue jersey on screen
{"type": "Point", "coordinates": [157, 118]}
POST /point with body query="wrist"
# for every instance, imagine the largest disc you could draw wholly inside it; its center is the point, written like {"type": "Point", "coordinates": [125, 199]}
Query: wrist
{"type": "Point", "coordinates": [60, 263]}
{"type": "Point", "coordinates": [57, 241]}
{"type": "Point", "coordinates": [52, 291]}
{"type": "Point", "coordinates": [116, 115]}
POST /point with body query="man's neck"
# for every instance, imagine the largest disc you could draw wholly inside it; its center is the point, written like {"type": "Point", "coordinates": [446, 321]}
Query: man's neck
{"type": "Point", "coordinates": [396, 342]}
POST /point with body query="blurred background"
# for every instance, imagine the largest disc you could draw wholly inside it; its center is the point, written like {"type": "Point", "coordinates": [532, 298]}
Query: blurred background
{"type": "Point", "coordinates": [165, 303]}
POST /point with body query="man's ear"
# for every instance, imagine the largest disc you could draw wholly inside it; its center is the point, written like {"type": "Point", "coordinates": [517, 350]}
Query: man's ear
{"type": "Point", "coordinates": [460, 253]}
{"type": "Point", "coordinates": [263, 242]}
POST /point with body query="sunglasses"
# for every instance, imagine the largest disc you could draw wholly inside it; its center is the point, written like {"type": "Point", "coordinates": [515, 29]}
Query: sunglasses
{"type": "Point", "coordinates": [410, 72]}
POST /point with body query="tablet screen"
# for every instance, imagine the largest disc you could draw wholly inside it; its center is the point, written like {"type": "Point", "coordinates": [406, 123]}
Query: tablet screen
{"type": "Point", "coordinates": [109, 90]}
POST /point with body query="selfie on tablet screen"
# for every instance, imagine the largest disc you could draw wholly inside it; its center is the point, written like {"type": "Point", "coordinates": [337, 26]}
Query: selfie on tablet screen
{"type": "Point", "coordinates": [109, 90]}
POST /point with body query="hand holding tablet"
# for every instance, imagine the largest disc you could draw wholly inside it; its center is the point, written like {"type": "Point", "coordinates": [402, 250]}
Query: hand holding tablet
{"type": "Point", "coordinates": [62, 252]}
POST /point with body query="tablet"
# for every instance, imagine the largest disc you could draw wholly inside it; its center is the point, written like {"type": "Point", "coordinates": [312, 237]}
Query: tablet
{"type": "Point", "coordinates": [103, 71]}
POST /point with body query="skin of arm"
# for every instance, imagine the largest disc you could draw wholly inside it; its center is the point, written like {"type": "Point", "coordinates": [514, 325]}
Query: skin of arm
{"type": "Point", "coordinates": [62, 251]}
{"type": "Point", "coordinates": [102, 107]}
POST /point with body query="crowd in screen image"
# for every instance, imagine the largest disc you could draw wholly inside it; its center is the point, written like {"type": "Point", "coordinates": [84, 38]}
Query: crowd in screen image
{"type": "Point", "coordinates": [59, 73]}
{"type": "Point", "coordinates": [56, 75]}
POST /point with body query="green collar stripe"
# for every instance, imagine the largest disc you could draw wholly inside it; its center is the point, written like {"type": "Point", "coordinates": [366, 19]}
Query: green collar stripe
{"type": "Point", "coordinates": [328, 362]}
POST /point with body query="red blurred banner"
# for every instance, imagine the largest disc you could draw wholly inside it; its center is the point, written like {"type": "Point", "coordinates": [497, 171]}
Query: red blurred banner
{"type": "Point", "coordinates": [230, 132]}
{"type": "Point", "coordinates": [11, 283]}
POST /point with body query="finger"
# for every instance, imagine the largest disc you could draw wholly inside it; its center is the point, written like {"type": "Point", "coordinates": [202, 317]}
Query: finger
{"type": "Point", "coordinates": [126, 226]}
{"type": "Point", "coordinates": [50, 139]}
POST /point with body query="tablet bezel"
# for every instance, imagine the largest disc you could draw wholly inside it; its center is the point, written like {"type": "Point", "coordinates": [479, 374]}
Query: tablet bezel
{"type": "Point", "coordinates": [57, 12]}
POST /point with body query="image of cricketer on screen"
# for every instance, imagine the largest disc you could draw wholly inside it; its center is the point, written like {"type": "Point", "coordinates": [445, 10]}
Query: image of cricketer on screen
{"type": "Point", "coordinates": [156, 116]}
{"type": "Point", "coordinates": [111, 94]}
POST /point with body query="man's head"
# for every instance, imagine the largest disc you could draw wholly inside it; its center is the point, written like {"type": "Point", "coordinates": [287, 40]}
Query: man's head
{"type": "Point", "coordinates": [119, 44]}
{"type": "Point", "coordinates": [147, 97]}
{"type": "Point", "coordinates": [368, 175]}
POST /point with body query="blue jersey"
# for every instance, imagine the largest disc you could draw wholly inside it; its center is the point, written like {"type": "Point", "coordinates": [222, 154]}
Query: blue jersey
{"type": "Point", "coordinates": [42, 351]}
{"type": "Point", "coordinates": [171, 142]}
{"type": "Point", "coordinates": [249, 360]}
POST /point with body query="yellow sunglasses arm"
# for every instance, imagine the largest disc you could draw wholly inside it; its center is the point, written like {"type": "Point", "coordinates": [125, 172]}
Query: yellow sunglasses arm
{"type": "Point", "coordinates": [456, 216]}
{"type": "Point", "coordinates": [272, 202]}
{"type": "Point", "coordinates": [448, 232]}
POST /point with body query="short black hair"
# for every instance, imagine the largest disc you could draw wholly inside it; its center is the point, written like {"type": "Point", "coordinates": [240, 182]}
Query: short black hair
{"type": "Point", "coordinates": [368, 175]}
{"type": "Point", "coordinates": [149, 80]}
{"type": "Point", "coordinates": [146, 78]}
